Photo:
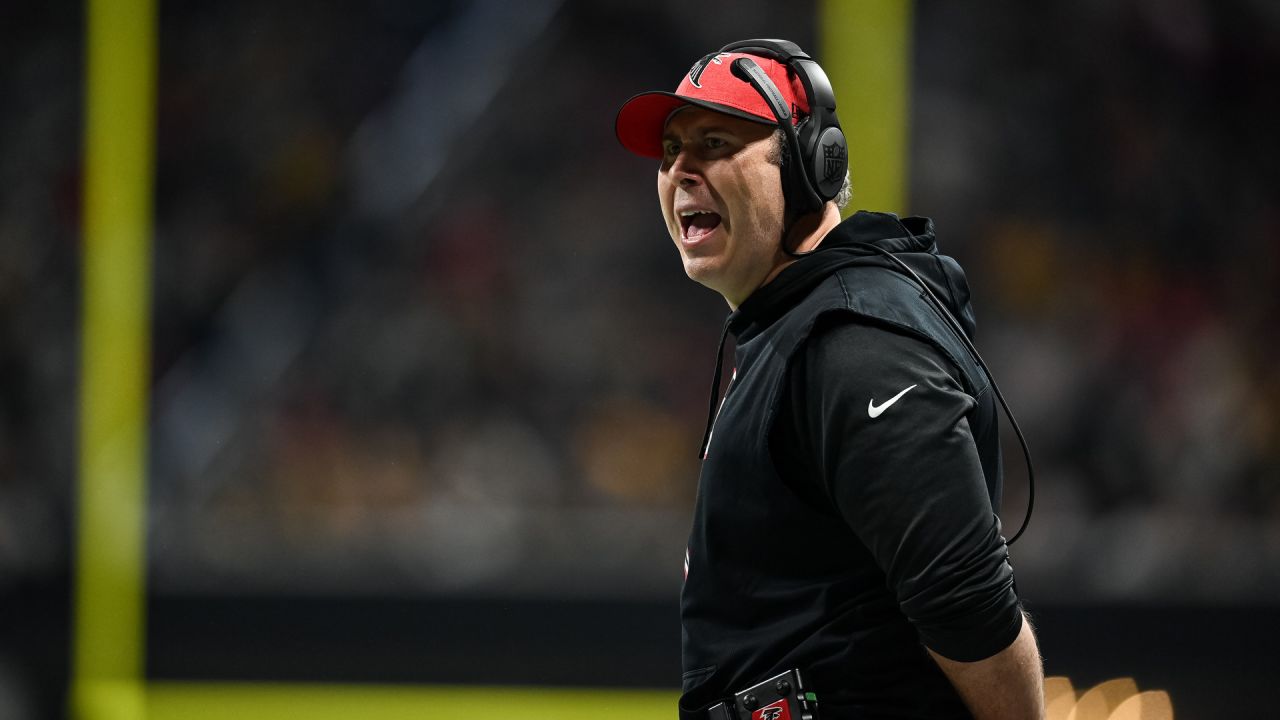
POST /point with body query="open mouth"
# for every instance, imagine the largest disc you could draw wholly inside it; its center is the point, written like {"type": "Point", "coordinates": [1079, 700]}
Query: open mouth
{"type": "Point", "coordinates": [694, 224]}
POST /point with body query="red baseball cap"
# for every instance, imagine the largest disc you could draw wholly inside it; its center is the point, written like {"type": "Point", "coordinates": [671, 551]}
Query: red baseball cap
{"type": "Point", "coordinates": [711, 85]}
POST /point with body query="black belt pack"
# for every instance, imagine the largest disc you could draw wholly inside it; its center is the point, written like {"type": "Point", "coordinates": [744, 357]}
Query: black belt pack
{"type": "Point", "coordinates": [781, 697]}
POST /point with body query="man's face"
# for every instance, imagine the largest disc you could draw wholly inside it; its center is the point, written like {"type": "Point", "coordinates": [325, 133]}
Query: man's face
{"type": "Point", "coordinates": [721, 194]}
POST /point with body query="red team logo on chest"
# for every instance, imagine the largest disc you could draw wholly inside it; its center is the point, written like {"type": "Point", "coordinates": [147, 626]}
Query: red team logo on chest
{"type": "Point", "coordinates": [773, 711]}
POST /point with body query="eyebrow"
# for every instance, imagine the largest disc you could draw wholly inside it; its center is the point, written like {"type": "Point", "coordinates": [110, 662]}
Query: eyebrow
{"type": "Point", "coordinates": [667, 135]}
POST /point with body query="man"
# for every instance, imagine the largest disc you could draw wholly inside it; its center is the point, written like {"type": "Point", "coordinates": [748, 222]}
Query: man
{"type": "Point", "coordinates": [845, 520]}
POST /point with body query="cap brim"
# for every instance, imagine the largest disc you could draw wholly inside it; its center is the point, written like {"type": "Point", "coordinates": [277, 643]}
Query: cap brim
{"type": "Point", "coordinates": [642, 119]}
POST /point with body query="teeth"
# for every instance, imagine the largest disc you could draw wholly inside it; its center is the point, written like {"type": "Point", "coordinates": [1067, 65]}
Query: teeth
{"type": "Point", "coordinates": [691, 213]}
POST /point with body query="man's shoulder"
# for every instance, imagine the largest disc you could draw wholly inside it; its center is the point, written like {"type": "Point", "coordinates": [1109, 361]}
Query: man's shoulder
{"type": "Point", "coordinates": [846, 296]}
{"type": "Point", "coordinates": [862, 285]}
{"type": "Point", "coordinates": [865, 316]}
{"type": "Point", "coordinates": [847, 343]}
{"type": "Point", "coordinates": [877, 294]}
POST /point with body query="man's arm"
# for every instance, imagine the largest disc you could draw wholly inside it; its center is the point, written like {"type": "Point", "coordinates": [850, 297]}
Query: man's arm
{"type": "Point", "coordinates": [910, 484]}
{"type": "Point", "coordinates": [1006, 686]}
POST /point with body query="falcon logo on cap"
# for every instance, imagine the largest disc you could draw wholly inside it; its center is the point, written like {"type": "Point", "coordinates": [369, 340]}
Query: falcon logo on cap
{"type": "Point", "coordinates": [695, 72]}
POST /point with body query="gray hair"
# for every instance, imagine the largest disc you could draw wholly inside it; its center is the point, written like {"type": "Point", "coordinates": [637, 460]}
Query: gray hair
{"type": "Point", "coordinates": [841, 199]}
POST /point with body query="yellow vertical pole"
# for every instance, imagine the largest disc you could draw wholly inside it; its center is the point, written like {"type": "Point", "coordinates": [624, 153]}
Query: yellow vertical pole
{"type": "Point", "coordinates": [107, 664]}
{"type": "Point", "coordinates": [865, 47]}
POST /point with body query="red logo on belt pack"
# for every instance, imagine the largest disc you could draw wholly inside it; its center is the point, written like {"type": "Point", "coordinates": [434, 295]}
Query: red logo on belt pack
{"type": "Point", "coordinates": [773, 711]}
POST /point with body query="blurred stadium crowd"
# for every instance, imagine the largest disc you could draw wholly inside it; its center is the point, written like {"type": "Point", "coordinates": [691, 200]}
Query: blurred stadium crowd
{"type": "Point", "coordinates": [418, 327]}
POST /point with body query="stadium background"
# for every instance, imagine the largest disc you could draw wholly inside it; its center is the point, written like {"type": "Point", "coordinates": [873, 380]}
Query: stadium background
{"type": "Point", "coordinates": [426, 380]}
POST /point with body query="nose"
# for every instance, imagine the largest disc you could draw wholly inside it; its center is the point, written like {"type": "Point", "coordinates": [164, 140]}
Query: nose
{"type": "Point", "coordinates": [685, 169]}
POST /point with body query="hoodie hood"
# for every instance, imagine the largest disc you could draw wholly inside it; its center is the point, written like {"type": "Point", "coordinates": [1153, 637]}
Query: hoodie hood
{"type": "Point", "coordinates": [910, 239]}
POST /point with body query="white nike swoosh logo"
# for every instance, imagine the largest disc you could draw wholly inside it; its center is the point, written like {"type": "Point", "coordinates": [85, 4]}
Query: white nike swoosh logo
{"type": "Point", "coordinates": [874, 410]}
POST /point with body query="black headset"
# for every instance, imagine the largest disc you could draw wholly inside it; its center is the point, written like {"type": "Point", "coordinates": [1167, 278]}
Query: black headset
{"type": "Point", "coordinates": [819, 154]}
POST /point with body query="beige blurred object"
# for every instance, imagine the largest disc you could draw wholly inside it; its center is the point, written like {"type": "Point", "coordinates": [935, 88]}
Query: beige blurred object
{"type": "Point", "coordinates": [1099, 701]}
{"type": "Point", "coordinates": [1146, 705]}
{"type": "Point", "coordinates": [1059, 697]}
{"type": "Point", "coordinates": [633, 451]}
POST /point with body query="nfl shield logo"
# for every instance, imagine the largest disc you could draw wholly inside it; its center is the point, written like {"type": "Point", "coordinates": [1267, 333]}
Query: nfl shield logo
{"type": "Point", "coordinates": [834, 159]}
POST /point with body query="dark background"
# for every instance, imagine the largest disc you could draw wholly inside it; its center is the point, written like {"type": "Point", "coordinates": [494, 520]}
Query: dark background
{"type": "Point", "coordinates": [428, 379]}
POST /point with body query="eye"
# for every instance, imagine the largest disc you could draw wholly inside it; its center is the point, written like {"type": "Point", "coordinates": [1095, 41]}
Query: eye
{"type": "Point", "coordinates": [714, 143]}
{"type": "Point", "coordinates": [670, 148]}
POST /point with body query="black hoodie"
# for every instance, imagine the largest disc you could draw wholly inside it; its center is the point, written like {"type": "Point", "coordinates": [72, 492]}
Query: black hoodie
{"type": "Point", "coordinates": [844, 518]}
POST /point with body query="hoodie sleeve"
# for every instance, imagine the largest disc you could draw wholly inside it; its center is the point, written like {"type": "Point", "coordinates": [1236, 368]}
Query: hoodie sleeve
{"type": "Point", "coordinates": [882, 420]}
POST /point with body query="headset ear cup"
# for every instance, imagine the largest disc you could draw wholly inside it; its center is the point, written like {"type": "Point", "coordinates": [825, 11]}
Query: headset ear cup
{"type": "Point", "coordinates": [828, 163]}
{"type": "Point", "coordinates": [821, 159]}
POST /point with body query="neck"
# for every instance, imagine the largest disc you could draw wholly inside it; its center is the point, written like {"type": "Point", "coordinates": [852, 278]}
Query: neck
{"type": "Point", "coordinates": [805, 235]}
{"type": "Point", "coordinates": [807, 232]}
